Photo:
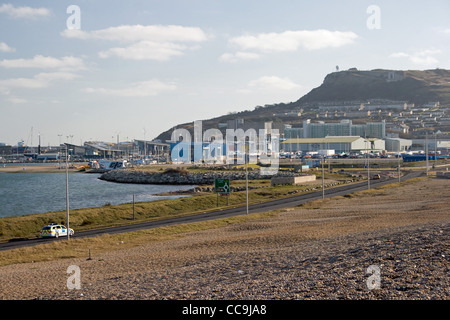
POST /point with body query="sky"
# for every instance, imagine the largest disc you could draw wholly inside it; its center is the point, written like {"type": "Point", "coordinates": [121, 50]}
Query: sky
{"type": "Point", "coordinates": [75, 71]}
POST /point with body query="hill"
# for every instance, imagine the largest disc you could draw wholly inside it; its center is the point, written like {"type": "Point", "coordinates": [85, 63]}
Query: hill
{"type": "Point", "coordinates": [418, 87]}
{"type": "Point", "coordinates": [349, 87]}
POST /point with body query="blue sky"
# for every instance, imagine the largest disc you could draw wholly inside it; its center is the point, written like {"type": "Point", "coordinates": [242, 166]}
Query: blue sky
{"type": "Point", "coordinates": [137, 68]}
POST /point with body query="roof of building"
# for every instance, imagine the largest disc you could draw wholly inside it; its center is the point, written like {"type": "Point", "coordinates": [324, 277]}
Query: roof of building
{"type": "Point", "coordinates": [345, 139]}
{"type": "Point", "coordinates": [156, 143]}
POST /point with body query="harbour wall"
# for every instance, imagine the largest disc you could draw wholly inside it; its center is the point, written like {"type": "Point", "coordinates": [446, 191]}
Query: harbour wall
{"type": "Point", "coordinates": [175, 177]}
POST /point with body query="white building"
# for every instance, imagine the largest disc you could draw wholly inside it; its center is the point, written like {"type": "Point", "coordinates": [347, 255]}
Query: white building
{"type": "Point", "coordinates": [398, 145]}
{"type": "Point", "coordinates": [346, 144]}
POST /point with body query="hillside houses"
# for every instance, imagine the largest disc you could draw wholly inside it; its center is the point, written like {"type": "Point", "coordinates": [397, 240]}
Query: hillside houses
{"type": "Point", "coordinates": [401, 117]}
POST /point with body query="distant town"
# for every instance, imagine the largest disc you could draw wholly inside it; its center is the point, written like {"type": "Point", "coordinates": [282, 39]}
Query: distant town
{"type": "Point", "coordinates": [391, 127]}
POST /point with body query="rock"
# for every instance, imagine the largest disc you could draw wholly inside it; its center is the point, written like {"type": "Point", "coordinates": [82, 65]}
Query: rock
{"type": "Point", "coordinates": [179, 177]}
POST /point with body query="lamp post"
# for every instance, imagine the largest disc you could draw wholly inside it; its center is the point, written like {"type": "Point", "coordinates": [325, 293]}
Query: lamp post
{"type": "Point", "coordinates": [246, 183]}
{"type": "Point", "coordinates": [398, 157]}
{"type": "Point", "coordinates": [59, 152]}
{"type": "Point", "coordinates": [426, 150]}
{"type": "Point", "coordinates": [67, 191]}
{"type": "Point", "coordinates": [133, 208]}
{"type": "Point", "coordinates": [435, 150]}
{"type": "Point", "coordinates": [368, 167]}
{"type": "Point", "coordinates": [323, 178]}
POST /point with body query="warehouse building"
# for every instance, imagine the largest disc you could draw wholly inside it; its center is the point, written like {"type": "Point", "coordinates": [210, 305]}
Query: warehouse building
{"type": "Point", "coordinates": [398, 145]}
{"type": "Point", "coordinates": [343, 128]}
{"type": "Point", "coordinates": [345, 144]}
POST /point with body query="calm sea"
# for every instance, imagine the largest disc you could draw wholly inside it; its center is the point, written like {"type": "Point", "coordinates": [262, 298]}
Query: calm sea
{"type": "Point", "coordinates": [27, 193]}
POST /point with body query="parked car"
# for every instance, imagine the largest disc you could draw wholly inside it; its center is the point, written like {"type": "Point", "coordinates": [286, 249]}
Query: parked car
{"type": "Point", "coordinates": [54, 230]}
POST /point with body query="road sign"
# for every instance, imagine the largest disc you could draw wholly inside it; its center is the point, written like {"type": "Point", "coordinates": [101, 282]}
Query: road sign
{"type": "Point", "coordinates": [222, 186]}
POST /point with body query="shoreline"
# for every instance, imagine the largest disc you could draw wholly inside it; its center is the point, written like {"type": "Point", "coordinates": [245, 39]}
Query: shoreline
{"type": "Point", "coordinates": [35, 168]}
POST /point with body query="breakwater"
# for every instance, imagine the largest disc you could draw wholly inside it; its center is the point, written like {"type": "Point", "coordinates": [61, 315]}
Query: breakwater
{"type": "Point", "coordinates": [176, 177]}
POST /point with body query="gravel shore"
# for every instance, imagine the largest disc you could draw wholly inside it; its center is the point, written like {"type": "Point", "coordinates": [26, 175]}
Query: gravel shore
{"type": "Point", "coordinates": [390, 244]}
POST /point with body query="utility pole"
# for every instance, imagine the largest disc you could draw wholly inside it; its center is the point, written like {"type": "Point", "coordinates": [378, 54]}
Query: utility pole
{"type": "Point", "coordinates": [67, 190]}
{"type": "Point", "coordinates": [368, 168]}
{"type": "Point", "coordinates": [435, 149]}
{"type": "Point", "coordinates": [398, 157]}
{"type": "Point", "coordinates": [426, 149]}
{"type": "Point", "coordinates": [133, 208]}
{"type": "Point", "coordinates": [145, 145]}
{"type": "Point", "coordinates": [323, 179]}
{"type": "Point", "coordinates": [246, 183]}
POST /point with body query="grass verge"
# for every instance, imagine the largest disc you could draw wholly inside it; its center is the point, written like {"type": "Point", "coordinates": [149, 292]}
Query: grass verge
{"type": "Point", "coordinates": [28, 226]}
{"type": "Point", "coordinates": [80, 248]}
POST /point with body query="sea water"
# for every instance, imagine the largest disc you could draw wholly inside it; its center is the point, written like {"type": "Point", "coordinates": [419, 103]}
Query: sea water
{"type": "Point", "coordinates": [27, 193]}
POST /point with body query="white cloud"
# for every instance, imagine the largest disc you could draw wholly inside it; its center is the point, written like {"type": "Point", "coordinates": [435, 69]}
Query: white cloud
{"type": "Point", "coordinates": [273, 82]}
{"type": "Point", "coordinates": [399, 55]}
{"type": "Point", "coordinates": [30, 83]}
{"type": "Point", "coordinates": [41, 80]}
{"type": "Point", "coordinates": [146, 50]}
{"type": "Point", "coordinates": [424, 57]}
{"type": "Point", "coordinates": [239, 56]}
{"type": "Point", "coordinates": [41, 62]}
{"type": "Point", "coordinates": [136, 33]}
{"type": "Point", "coordinates": [152, 42]}
{"type": "Point", "coordinates": [139, 89]}
{"type": "Point", "coordinates": [5, 48]}
{"type": "Point", "coordinates": [62, 69]}
{"type": "Point", "coordinates": [76, 34]}
{"type": "Point", "coordinates": [16, 100]}
{"type": "Point", "coordinates": [293, 40]}
{"type": "Point", "coordinates": [24, 12]}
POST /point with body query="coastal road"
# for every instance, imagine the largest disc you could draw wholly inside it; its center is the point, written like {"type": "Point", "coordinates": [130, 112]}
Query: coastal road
{"type": "Point", "coordinates": [222, 213]}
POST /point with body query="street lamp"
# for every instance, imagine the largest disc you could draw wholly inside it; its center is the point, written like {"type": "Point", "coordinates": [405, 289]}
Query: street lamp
{"type": "Point", "coordinates": [426, 150]}
{"type": "Point", "coordinates": [323, 181]}
{"type": "Point", "coordinates": [67, 190]}
{"type": "Point", "coordinates": [246, 183]}
{"type": "Point", "coordinates": [398, 157]}
{"type": "Point", "coordinates": [368, 167]}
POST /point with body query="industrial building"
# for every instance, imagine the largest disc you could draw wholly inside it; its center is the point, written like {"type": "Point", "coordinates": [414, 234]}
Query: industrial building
{"type": "Point", "coordinates": [342, 144]}
{"type": "Point", "coordinates": [319, 129]}
{"type": "Point", "coordinates": [398, 145]}
{"type": "Point", "coordinates": [5, 150]}
{"type": "Point", "coordinates": [343, 128]}
{"type": "Point", "coordinates": [156, 148]}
